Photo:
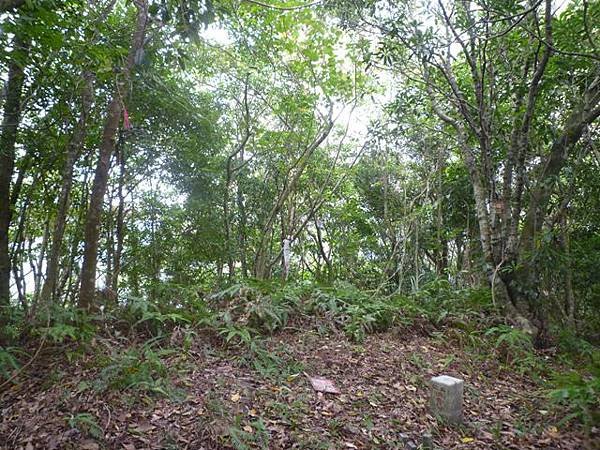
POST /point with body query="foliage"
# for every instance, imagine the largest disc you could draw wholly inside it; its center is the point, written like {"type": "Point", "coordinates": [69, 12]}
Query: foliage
{"type": "Point", "coordinates": [579, 394]}
{"type": "Point", "coordinates": [9, 360]}
{"type": "Point", "coordinates": [357, 312]}
{"type": "Point", "coordinates": [85, 423]}
{"type": "Point", "coordinates": [156, 318]}
{"type": "Point", "coordinates": [250, 436]}
{"type": "Point", "coordinates": [139, 369]}
{"type": "Point", "coordinates": [442, 303]}
{"type": "Point", "coordinates": [68, 325]}
{"type": "Point", "coordinates": [513, 346]}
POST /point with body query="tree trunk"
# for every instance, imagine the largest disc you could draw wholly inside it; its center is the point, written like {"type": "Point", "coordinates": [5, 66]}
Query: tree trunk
{"type": "Point", "coordinates": [242, 225]}
{"type": "Point", "coordinates": [107, 146]}
{"type": "Point", "coordinates": [227, 217]}
{"type": "Point", "coordinates": [523, 283]}
{"type": "Point", "coordinates": [114, 285]}
{"type": "Point", "coordinates": [8, 138]}
{"type": "Point", "coordinates": [73, 151]}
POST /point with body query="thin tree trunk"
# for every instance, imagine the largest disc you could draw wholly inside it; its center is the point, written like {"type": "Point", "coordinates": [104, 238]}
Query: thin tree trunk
{"type": "Point", "coordinates": [40, 263]}
{"type": "Point", "coordinates": [120, 223]}
{"type": "Point", "coordinates": [227, 217]}
{"type": "Point", "coordinates": [107, 146]}
{"type": "Point", "coordinates": [73, 151]}
{"type": "Point", "coordinates": [242, 225]}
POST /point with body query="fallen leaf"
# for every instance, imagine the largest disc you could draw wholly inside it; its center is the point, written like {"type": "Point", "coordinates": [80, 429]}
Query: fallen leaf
{"type": "Point", "coordinates": [466, 440]}
{"type": "Point", "coordinates": [323, 385]}
{"type": "Point", "coordinates": [292, 377]}
{"type": "Point", "coordinates": [235, 397]}
{"type": "Point", "coordinates": [142, 428]}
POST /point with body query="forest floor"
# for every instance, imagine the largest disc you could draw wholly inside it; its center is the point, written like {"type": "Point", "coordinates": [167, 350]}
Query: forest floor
{"type": "Point", "coordinates": [222, 397]}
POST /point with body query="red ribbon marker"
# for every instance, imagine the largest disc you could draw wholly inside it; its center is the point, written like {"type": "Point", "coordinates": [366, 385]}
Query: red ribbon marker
{"type": "Point", "coordinates": [126, 123]}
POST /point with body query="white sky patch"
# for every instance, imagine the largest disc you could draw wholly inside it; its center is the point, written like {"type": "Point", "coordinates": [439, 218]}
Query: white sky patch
{"type": "Point", "coordinates": [217, 35]}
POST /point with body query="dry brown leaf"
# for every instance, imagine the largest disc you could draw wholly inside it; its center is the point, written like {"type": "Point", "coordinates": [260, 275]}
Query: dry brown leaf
{"type": "Point", "coordinates": [142, 428]}
{"type": "Point", "coordinates": [320, 384]}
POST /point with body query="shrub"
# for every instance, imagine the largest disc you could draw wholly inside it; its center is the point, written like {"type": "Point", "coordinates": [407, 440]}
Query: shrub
{"type": "Point", "coordinates": [67, 324]}
{"type": "Point", "coordinates": [580, 395]}
{"type": "Point", "coordinates": [513, 346]}
{"type": "Point", "coordinates": [357, 312]}
{"type": "Point", "coordinates": [156, 319]}
{"type": "Point", "coordinates": [86, 424]}
{"type": "Point", "coordinates": [9, 361]}
{"type": "Point", "coordinates": [137, 368]}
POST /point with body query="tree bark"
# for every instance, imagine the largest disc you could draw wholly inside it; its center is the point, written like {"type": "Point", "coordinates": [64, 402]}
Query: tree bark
{"type": "Point", "coordinates": [107, 146]}
{"type": "Point", "coordinates": [119, 231]}
{"type": "Point", "coordinates": [242, 224]}
{"type": "Point", "coordinates": [73, 151]}
{"type": "Point", "coordinates": [8, 138]}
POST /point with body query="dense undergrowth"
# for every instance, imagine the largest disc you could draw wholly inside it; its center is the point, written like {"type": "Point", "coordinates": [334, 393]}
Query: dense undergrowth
{"type": "Point", "coordinates": [150, 334]}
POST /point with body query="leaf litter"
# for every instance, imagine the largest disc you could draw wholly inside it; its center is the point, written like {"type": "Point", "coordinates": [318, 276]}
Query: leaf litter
{"type": "Point", "coordinates": [380, 401]}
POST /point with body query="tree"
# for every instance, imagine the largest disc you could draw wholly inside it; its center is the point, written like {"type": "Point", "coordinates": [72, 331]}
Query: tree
{"type": "Point", "coordinates": [8, 138]}
{"type": "Point", "coordinates": [115, 110]}
{"type": "Point", "coordinates": [479, 65]}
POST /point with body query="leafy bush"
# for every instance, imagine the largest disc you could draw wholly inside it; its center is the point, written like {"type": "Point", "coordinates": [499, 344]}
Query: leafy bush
{"type": "Point", "coordinates": [580, 395]}
{"type": "Point", "coordinates": [140, 369]}
{"type": "Point", "coordinates": [157, 319]}
{"type": "Point", "coordinates": [513, 346]}
{"type": "Point", "coordinates": [14, 323]}
{"type": "Point", "coordinates": [357, 312]}
{"type": "Point", "coordinates": [441, 303]}
{"type": "Point", "coordinates": [573, 345]}
{"type": "Point", "coordinates": [250, 309]}
{"type": "Point", "coordinates": [67, 324]}
{"type": "Point", "coordinates": [258, 305]}
{"type": "Point", "coordinates": [86, 424]}
{"type": "Point", "coordinates": [9, 361]}
{"type": "Point", "coordinates": [235, 333]}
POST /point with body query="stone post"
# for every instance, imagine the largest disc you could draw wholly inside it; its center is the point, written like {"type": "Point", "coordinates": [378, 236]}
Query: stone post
{"type": "Point", "coordinates": [446, 399]}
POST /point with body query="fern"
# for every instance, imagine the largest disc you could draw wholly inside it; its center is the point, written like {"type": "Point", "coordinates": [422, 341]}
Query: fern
{"type": "Point", "coordinates": [8, 360]}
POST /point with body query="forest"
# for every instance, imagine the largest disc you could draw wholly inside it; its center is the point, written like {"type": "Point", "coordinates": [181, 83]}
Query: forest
{"type": "Point", "coordinates": [299, 224]}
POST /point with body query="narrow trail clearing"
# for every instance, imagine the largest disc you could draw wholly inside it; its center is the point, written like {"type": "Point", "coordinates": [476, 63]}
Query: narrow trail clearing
{"type": "Point", "coordinates": [216, 397]}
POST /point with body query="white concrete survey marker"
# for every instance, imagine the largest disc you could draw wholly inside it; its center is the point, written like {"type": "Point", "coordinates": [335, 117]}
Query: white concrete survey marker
{"type": "Point", "coordinates": [446, 399]}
